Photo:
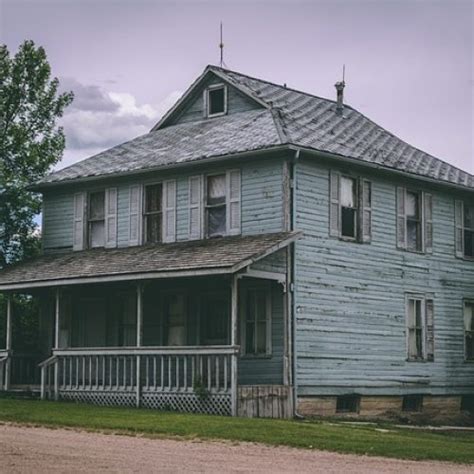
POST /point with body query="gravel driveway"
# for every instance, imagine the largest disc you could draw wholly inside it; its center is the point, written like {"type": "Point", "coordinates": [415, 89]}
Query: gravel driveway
{"type": "Point", "coordinates": [25, 449]}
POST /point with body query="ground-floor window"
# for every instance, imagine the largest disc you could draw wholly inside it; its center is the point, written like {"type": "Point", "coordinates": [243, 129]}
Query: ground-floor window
{"type": "Point", "coordinates": [420, 327]}
{"type": "Point", "coordinates": [469, 330]}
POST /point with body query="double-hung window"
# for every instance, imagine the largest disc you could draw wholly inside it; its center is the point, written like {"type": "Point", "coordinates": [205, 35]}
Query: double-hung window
{"type": "Point", "coordinates": [96, 219]}
{"type": "Point", "coordinates": [153, 213]}
{"type": "Point", "coordinates": [469, 330]}
{"type": "Point", "coordinates": [464, 217]}
{"type": "Point", "coordinates": [350, 212]}
{"type": "Point", "coordinates": [216, 209]}
{"type": "Point", "coordinates": [414, 220]}
{"type": "Point", "coordinates": [420, 327]}
{"type": "Point", "coordinates": [256, 321]}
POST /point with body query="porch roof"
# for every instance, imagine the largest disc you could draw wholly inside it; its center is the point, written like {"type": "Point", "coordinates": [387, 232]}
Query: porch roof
{"type": "Point", "coordinates": [191, 258]}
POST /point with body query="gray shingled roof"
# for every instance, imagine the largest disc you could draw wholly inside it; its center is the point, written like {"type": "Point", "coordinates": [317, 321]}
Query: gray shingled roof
{"type": "Point", "coordinates": [295, 118]}
{"type": "Point", "coordinates": [224, 255]}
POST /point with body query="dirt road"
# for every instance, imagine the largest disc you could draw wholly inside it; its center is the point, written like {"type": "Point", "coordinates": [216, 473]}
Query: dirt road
{"type": "Point", "coordinates": [25, 450]}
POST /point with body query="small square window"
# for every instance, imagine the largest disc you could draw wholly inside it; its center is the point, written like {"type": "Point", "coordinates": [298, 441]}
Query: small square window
{"type": "Point", "coordinates": [348, 404]}
{"type": "Point", "coordinates": [216, 101]}
{"type": "Point", "coordinates": [412, 403]}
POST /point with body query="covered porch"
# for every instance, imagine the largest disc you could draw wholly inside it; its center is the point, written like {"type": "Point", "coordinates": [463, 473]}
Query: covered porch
{"type": "Point", "coordinates": [212, 337]}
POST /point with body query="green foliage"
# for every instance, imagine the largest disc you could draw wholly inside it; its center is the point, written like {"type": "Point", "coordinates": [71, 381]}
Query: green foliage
{"type": "Point", "coordinates": [31, 142]}
{"type": "Point", "coordinates": [200, 389]}
{"type": "Point", "coordinates": [390, 441]}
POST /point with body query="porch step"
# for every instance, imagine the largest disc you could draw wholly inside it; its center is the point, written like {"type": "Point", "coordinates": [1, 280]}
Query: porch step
{"type": "Point", "coordinates": [27, 392]}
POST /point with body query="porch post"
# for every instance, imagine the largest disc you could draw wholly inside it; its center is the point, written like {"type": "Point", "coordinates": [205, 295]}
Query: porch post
{"type": "Point", "coordinates": [56, 341]}
{"type": "Point", "coordinates": [139, 339]}
{"type": "Point", "coordinates": [234, 325]}
{"type": "Point", "coordinates": [8, 342]}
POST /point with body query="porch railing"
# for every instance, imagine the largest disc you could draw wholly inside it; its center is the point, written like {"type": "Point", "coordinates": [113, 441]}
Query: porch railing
{"type": "Point", "coordinates": [4, 369]}
{"type": "Point", "coordinates": [195, 379]}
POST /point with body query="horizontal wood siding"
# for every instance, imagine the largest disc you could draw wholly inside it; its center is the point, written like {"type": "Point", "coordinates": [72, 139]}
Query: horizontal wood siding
{"type": "Point", "coordinates": [193, 110]}
{"type": "Point", "coordinates": [58, 220]}
{"type": "Point", "coordinates": [261, 210]}
{"type": "Point", "coordinates": [267, 370]}
{"type": "Point", "coordinates": [275, 262]}
{"type": "Point", "coordinates": [350, 299]}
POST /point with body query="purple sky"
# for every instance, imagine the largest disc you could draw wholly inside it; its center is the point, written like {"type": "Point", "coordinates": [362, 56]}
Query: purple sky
{"type": "Point", "coordinates": [409, 64]}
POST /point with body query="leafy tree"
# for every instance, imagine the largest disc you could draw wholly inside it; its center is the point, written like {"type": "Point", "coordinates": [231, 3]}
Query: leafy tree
{"type": "Point", "coordinates": [31, 142]}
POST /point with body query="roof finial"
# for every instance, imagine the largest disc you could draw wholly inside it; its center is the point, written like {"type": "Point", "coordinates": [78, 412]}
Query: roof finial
{"type": "Point", "coordinates": [340, 92]}
{"type": "Point", "coordinates": [221, 46]}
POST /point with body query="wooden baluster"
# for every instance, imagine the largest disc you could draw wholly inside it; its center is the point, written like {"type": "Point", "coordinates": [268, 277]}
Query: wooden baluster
{"type": "Point", "coordinates": [177, 373]}
{"type": "Point", "coordinates": [154, 371]}
{"type": "Point", "coordinates": [162, 374]}
{"type": "Point", "coordinates": [147, 368]}
{"type": "Point", "coordinates": [209, 373]}
{"type": "Point", "coordinates": [226, 361]}
{"type": "Point", "coordinates": [185, 369]}
{"type": "Point", "coordinates": [169, 372]}
{"type": "Point", "coordinates": [217, 374]}
{"type": "Point", "coordinates": [90, 372]}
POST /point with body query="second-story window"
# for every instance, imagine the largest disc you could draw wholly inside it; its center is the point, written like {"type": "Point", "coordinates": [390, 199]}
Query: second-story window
{"type": "Point", "coordinates": [348, 207]}
{"type": "Point", "coordinates": [413, 220]}
{"type": "Point", "coordinates": [216, 218]}
{"type": "Point", "coordinates": [96, 219]}
{"type": "Point", "coordinates": [153, 214]}
{"type": "Point", "coordinates": [464, 219]}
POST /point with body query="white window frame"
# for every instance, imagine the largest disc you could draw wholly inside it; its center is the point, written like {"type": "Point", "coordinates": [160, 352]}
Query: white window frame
{"type": "Point", "coordinates": [208, 101]}
{"type": "Point", "coordinates": [143, 211]}
{"type": "Point", "coordinates": [466, 302]}
{"type": "Point", "coordinates": [356, 207]}
{"type": "Point", "coordinates": [264, 287]}
{"type": "Point", "coordinates": [422, 298]}
{"type": "Point", "coordinates": [88, 218]}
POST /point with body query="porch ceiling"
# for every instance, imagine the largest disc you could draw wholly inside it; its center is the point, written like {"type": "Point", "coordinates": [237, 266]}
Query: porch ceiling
{"type": "Point", "coordinates": [190, 258]}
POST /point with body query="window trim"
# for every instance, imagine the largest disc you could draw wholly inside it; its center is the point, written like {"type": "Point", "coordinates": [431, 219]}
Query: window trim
{"type": "Point", "coordinates": [463, 229]}
{"type": "Point", "coordinates": [420, 221]}
{"type": "Point", "coordinates": [209, 89]}
{"type": "Point", "coordinates": [267, 288]}
{"type": "Point", "coordinates": [206, 206]}
{"type": "Point", "coordinates": [471, 302]}
{"type": "Point", "coordinates": [422, 298]}
{"type": "Point", "coordinates": [356, 181]}
{"type": "Point", "coordinates": [144, 214]}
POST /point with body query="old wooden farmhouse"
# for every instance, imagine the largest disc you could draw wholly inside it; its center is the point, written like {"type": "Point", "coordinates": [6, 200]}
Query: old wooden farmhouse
{"type": "Point", "coordinates": [261, 252]}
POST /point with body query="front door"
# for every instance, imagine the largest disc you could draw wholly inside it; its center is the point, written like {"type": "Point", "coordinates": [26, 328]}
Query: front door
{"type": "Point", "coordinates": [175, 309]}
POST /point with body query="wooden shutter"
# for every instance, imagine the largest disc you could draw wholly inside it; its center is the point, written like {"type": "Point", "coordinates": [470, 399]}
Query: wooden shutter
{"type": "Point", "coordinates": [111, 218]}
{"type": "Point", "coordinates": [79, 214]}
{"type": "Point", "coordinates": [135, 200]}
{"type": "Point", "coordinates": [366, 211]}
{"type": "Point", "coordinates": [459, 228]}
{"type": "Point", "coordinates": [195, 207]}
{"type": "Point", "coordinates": [401, 218]}
{"type": "Point", "coordinates": [233, 202]}
{"type": "Point", "coordinates": [428, 222]}
{"type": "Point", "coordinates": [169, 210]}
{"type": "Point", "coordinates": [334, 210]}
{"type": "Point", "coordinates": [429, 329]}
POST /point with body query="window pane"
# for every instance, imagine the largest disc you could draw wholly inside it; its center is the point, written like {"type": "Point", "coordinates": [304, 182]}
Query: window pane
{"type": "Point", "coordinates": [468, 315]}
{"type": "Point", "coordinates": [411, 344]}
{"type": "Point", "coordinates": [261, 337]}
{"type": "Point", "coordinates": [97, 206]}
{"type": "Point", "coordinates": [175, 308]}
{"type": "Point", "coordinates": [348, 222]}
{"type": "Point", "coordinates": [469, 243]}
{"type": "Point", "coordinates": [250, 337]}
{"type": "Point", "coordinates": [216, 220]}
{"type": "Point", "coordinates": [418, 321]}
{"type": "Point", "coordinates": [214, 319]}
{"type": "Point", "coordinates": [348, 198]}
{"type": "Point", "coordinates": [469, 217]}
{"type": "Point", "coordinates": [97, 234]}
{"type": "Point", "coordinates": [412, 207]}
{"type": "Point", "coordinates": [153, 198]}
{"type": "Point", "coordinates": [469, 346]}
{"type": "Point", "coordinates": [413, 235]}
{"type": "Point", "coordinates": [216, 101]}
{"type": "Point", "coordinates": [411, 313]}
{"type": "Point", "coordinates": [153, 228]}
{"type": "Point", "coordinates": [216, 189]}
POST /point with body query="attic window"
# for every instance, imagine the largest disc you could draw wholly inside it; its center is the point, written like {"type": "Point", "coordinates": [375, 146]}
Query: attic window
{"type": "Point", "coordinates": [216, 100]}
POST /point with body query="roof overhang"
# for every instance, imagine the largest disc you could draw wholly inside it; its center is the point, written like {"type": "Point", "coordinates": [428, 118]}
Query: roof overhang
{"type": "Point", "coordinates": [244, 252]}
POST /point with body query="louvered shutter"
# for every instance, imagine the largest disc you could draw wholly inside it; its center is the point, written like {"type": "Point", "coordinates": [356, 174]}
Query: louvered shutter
{"type": "Point", "coordinates": [366, 211]}
{"type": "Point", "coordinates": [169, 210]}
{"type": "Point", "coordinates": [111, 218]}
{"type": "Point", "coordinates": [233, 202]}
{"type": "Point", "coordinates": [429, 325]}
{"type": "Point", "coordinates": [79, 213]}
{"type": "Point", "coordinates": [134, 215]}
{"type": "Point", "coordinates": [195, 207]}
{"type": "Point", "coordinates": [428, 222]}
{"type": "Point", "coordinates": [459, 231]}
{"type": "Point", "coordinates": [334, 210]}
{"type": "Point", "coordinates": [401, 218]}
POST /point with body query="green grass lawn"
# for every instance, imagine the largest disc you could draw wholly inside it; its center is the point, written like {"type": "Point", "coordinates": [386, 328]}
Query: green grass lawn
{"type": "Point", "coordinates": [373, 440]}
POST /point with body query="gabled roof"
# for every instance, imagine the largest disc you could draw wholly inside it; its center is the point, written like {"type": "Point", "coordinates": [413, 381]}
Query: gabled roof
{"type": "Point", "coordinates": [288, 117]}
{"type": "Point", "coordinates": [225, 255]}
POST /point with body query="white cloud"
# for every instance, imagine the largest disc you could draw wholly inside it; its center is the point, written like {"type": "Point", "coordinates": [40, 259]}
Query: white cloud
{"type": "Point", "coordinates": [99, 119]}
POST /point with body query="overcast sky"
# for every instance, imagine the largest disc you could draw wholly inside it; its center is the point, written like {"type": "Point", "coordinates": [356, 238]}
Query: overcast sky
{"type": "Point", "coordinates": [409, 64]}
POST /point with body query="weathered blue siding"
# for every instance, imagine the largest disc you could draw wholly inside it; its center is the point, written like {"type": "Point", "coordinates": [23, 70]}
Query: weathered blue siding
{"type": "Point", "coordinates": [350, 298]}
{"type": "Point", "coordinates": [261, 205]}
{"type": "Point", "coordinates": [193, 109]}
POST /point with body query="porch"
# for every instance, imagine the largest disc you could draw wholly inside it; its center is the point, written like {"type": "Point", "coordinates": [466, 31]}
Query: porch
{"type": "Point", "coordinates": [208, 343]}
